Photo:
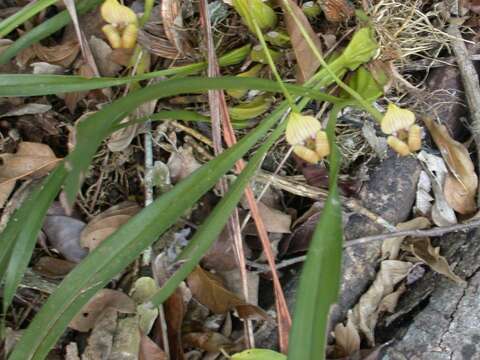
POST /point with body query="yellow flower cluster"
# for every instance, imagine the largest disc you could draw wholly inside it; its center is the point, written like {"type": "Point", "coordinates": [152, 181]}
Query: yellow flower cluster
{"type": "Point", "coordinates": [122, 28]}
{"type": "Point", "coordinates": [405, 136]}
{"type": "Point", "coordinates": [305, 134]}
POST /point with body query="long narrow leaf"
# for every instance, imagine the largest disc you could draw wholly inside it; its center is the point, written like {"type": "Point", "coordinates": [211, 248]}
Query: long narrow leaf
{"type": "Point", "coordinates": [93, 130]}
{"type": "Point", "coordinates": [320, 279]}
{"type": "Point", "coordinates": [10, 23]}
{"type": "Point", "coordinates": [44, 30]}
{"type": "Point", "coordinates": [121, 248]}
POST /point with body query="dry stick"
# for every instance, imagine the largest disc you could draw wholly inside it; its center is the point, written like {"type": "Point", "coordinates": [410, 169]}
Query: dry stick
{"type": "Point", "coordinates": [219, 114]}
{"type": "Point", "coordinates": [470, 83]}
{"type": "Point", "coordinates": [438, 231]}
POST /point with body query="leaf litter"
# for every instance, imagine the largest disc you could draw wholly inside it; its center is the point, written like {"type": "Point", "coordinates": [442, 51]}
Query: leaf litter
{"type": "Point", "coordinates": [117, 323]}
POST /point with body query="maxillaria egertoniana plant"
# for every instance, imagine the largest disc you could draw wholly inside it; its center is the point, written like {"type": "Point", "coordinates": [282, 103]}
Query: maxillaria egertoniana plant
{"type": "Point", "coordinates": [122, 28]}
{"type": "Point", "coordinates": [263, 14]}
{"type": "Point", "coordinates": [405, 136]}
{"type": "Point", "coordinates": [305, 134]}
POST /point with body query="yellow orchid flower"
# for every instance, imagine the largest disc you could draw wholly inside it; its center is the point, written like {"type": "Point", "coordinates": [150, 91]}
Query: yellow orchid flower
{"type": "Point", "coordinates": [405, 136]}
{"type": "Point", "coordinates": [122, 28]}
{"type": "Point", "coordinates": [305, 134]}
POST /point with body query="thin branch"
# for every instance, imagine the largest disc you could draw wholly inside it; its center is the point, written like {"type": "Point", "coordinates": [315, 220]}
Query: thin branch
{"type": "Point", "coordinates": [438, 231]}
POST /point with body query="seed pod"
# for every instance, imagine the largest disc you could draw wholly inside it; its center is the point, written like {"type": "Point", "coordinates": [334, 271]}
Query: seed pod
{"type": "Point", "coordinates": [396, 119]}
{"type": "Point", "coordinates": [301, 128]}
{"type": "Point", "coordinates": [258, 55]}
{"type": "Point", "coordinates": [311, 9]}
{"type": "Point", "coordinates": [263, 14]}
{"type": "Point", "coordinates": [415, 138]}
{"type": "Point", "coordinates": [113, 36]}
{"type": "Point", "coordinates": [129, 36]}
{"type": "Point", "coordinates": [278, 38]}
{"type": "Point", "coordinates": [322, 147]}
{"type": "Point", "coordinates": [306, 154]}
{"type": "Point", "coordinates": [398, 146]}
{"type": "Point", "coordinates": [249, 110]}
{"type": "Point", "coordinates": [235, 56]}
{"type": "Point", "coordinates": [253, 72]}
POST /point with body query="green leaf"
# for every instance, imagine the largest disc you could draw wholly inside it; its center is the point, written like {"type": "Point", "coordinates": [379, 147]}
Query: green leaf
{"type": "Point", "coordinates": [364, 83]}
{"type": "Point", "coordinates": [43, 30]}
{"type": "Point", "coordinates": [121, 248]}
{"type": "Point", "coordinates": [259, 354]}
{"type": "Point", "coordinates": [11, 23]}
{"type": "Point", "coordinates": [320, 279]}
{"type": "Point", "coordinates": [22, 235]}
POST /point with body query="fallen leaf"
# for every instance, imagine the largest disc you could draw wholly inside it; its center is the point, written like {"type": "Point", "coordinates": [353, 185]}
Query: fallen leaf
{"type": "Point", "coordinates": [365, 313]}
{"type": "Point", "coordinates": [27, 109]}
{"type": "Point", "coordinates": [126, 343]}
{"type": "Point", "coordinates": [105, 298]}
{"type": "Point", "coordinates": [174, 313]}
{"type": "Point", "coordinates": [462, 188]}
{"type": "Point", "coordinates": [6, 188]}
{"type": "Point", "coordinates": [63, 54]}
{"type": "Point", "coordinates": [219, 256]}
{"type": "Point", "coordinates": [259, 354]}
{"type": "Point", "coordinates": [275, 221]}
{"type": "Point", "coordinates": [233, 280]}
{"type": "Point", "coordinates": [53, 268]}
{"type": "Point", "coordinates": [106, 223]}
{"type": "Point", "coordinates": [391, 247]}
{"type": "Point", "coordinates": [347, 339]}
{"type": "Point", "coordinates": [32, 160]}
{"type": "Point", "coordinates": [73, 98]}
{"type": "Point", "coordinates": [208, 341]}
{"type": "Point", "coordinates": [71, 351]}
{"type": "Point", "coordinates": [171, 14]}
{"type": "Point", "coordinates": [389, 302]}
{"type": "Point", "coordinates": [149, 350]}
{"type": "Point", "coordinates": [337, 10]}
{"type": "Point", "coordinates": [423, 199]}
{"type": "Point", "coordinates": [157, 45]}
{"type": "Point", "coordinates": [100, 341]}
{"type": "Point", "coordinates": [307, 62]}
{"type": "Point", "coordinates": [101, 52]}
{"type": "Point", "coordinates": [47, 69]}
{"type": "Point", "coordinates": [207, 289]}
{"type": "Point", "coordinates": [63, 233]}
{"type": "Point", "coordinates": [182, 163]}
{"type": "Point", "coordinates": [424, 251]}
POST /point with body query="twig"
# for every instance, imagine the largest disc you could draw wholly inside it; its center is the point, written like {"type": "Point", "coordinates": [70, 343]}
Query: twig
{"type": "Point", "coordinates": [438, 231]}
{"type": "Point", "coordinates": [470, 83]}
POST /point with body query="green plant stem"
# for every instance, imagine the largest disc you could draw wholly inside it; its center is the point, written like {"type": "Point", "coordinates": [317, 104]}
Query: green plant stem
{"type": "Point", "coordinates": [147, 12]}
{"type": "Point", "coordinates": [266, 51]}
{"type": "Point", "coordinates": [374, 112]}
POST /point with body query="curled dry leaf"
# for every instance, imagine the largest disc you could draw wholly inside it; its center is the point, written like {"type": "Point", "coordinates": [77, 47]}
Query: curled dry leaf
{"type": "Point", "coordinates": [6, 188]}
{"type": "Point", "coordinates": [460, 188]}
{"type": "Point", "coordinates": [424, 251]}
{"type": "Point", "coordinates": [105, 298]}
{"type": "Point", "coordinates": [307, 62]}
{"type": "Point", "coordinates": [171, 14]}
{"type": "Point", "coordinates": [101, 52]}
{"type": "Point", "coordinates": [347, 339]}
{"type": "Point", "coordinates": [47, 69]}
{"type": "Point", "coordinates": [337, 10]}
{"type": "Point", "coordinates": [209, 291]}
{"type": "Point", "coordinates": [365, 314]}
{"type": "Point", "coordinates": [106, 223]}
{"type": "Point", "coordinates": [28, 109]}
{"type": "Point", "coordinates": [391, 247]}
{"type": "Point", "coordinates": [157, 45]}
{"type": "Point", "coordinates": [63, 54]}
{"type": "Point", "coordinates": [53, 268]}
{"type": "Point", "coordinates": [423, 199]}
{"type": "Point", "coordinates": [126, 343]}
{"type": "Point", "coordinates": [275, 220]}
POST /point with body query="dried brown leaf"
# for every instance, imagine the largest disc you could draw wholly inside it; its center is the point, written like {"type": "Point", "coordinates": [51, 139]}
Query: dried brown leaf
{"type": "Point", "coordinates": [424, 251]}
{"type": "Point", "coordinates": [208, 341]}
{"type": "Point", "coordinates": [53, 268]}
{"type": "Point", "coordinates": [365, 313]}
{"type": "Point", "coordinates": [126, 343]}
{"type": "Point", "coordinates": [101, 52]}
{"type": "Point", "coordinates": [182, 163]}
{"type": "Point", "coordinates": [27, 109]}
{"type": "Point", "coordinates": [32, 160]}
{"type": "Point", "coordinates": [347, 339]}
{"type": "Point", "coordinates": [209, 291]}
{"type": "Point", "coordinates": [174, 308]}
{"type": "Point", "coordinates": [337, 10]}
{"type": "Point", "coordinates": [100, 341]}
{"type": "Point", "coordinates": [106, 223]}
{"type": "Point", "coordinates": [105, 298]}
{"type": "Point", "coordinates": [461, 193]}
{"type": "Point", "coordinates": [6, 188]}
{"type": "Point", "coordinates": [62, 54]}
{"type": "Point", "coordinates": [149, 350]}
{"type": "Point", "coordinates": [307, 62]}
{"type": "Point", "coordinates": [171, 14]}
{"type": "Point", "coordinates": [157, 45]}
{"type": "Point", "coordinates": [275, 221]}
{"type": "Point", "coordinates": [391, 247]}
